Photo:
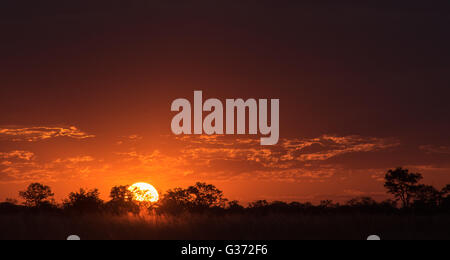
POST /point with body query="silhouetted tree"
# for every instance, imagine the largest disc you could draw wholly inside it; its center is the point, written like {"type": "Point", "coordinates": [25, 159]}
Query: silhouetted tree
{"type": "Point", "coordinates": [402, 184]}
{"type": "Point", "coordinates": [427, 196]}
{"type": "Point", "coordinates": [445, 203]}
{"type": "Point", "coordinates": [258, 204]}
{"type": "Point", "coordinates": [389, 204]}
{"type": "Point", "coordinates": [446, 190]}
{"type": "Point", "coordinates": [362, 202]}
{"type": "Point", "coordinates": [370, 206]}
{"type": "Point", "coordinates": [206, 196]}
{"type": "Point", "coordinates": [199, 197]}
{"type": "Point", "coordinates": [37, 195]}
{"type": "Point", "coordinates": [84, 201]}
{"type": "Point", "coordinates": [326, 204]}
{"type": "Point", "coordinates": [122, 201]}
{"type": "Point", "coordinates": [279, 207]}
{"type": "Point", "coordinates": [175, 202]}
{"type": "Point", "coordinates": [121, 193]}
{"type": "Point", "coordinates": [235, 207]}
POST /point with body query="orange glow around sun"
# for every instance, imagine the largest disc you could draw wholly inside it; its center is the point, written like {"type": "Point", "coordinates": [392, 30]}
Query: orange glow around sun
{"type": "Point", "coordinates": [144, 192]}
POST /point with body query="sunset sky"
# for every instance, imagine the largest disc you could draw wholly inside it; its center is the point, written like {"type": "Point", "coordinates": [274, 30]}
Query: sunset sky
{"type": "Point", "coordinates": [86, 89]}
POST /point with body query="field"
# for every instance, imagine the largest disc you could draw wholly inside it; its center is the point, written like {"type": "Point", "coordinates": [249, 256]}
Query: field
{"type": "Point", "coordinates": [230, 227]}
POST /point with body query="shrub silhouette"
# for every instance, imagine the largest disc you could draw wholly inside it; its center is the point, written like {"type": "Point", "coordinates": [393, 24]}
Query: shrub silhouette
{"type": "Point", "coordinates": [362, 202]}
{"type": "Point", "coordinates": [84, 202]}
{"type": "Point", "coordinates": [37, 195]}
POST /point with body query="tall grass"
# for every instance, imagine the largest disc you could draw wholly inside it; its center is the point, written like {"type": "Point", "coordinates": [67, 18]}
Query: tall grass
{"type": "Point", "coordinates": [232, 227]}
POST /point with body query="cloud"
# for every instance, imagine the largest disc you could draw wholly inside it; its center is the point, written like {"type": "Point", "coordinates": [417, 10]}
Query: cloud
{"type": "Point", "coordinates": [433, 149]}
{"type": "Point", "coordinates": [333, 146]}
{"type": "Point", "coordinates": [135, 137]}
{"type": "Point", "coordinates": [131, 139]}
{"type": "Point", "coordinates": [33, 134]}
{"type": "Point", "coordinates": [289, 150]}
{"type": "Point", "coordinates": [77, 159]}
{"type": "Point", "coordinates": [29, 169]}
{"type": "Point", "coordinates": [429, 168]}
{"type": "Point", "coordinates": [209, 158]}
{"type": "Point", "coordinates": [229, 158]}
{"type": "Point", "coordinates": [21, 155]}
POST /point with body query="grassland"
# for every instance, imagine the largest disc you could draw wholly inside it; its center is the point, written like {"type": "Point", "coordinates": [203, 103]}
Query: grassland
{"type": "Point", "coordinates": [230, 227]}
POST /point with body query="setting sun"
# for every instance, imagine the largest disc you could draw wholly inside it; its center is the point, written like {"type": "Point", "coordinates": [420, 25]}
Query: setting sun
{"type": "Point", "coordinates": [144, 192]}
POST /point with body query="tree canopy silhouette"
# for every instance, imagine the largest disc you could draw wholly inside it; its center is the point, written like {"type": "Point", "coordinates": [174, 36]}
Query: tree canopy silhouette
{"type": "Point", "coordinates": [402, 184]}
{"type": "Point", "coordinates": [201, 196]}
{"type": "Point", "coordinates": [84, 201]}
{"type": "Point", "coordinates": [37, 195]}
{"type": "Point", "coordinates": [121, 193]}
{"type": "Point", "coordinates": [122, 201]}
{"type": "Point", "coordinates": [206, 196]}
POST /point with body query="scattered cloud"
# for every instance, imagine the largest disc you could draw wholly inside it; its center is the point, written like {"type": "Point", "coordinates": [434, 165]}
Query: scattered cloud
{"type": "Point", "coordinates": [327, 147]}
{"type": "Point", "coordinates": [429, 168]}
{"type": "Point", "coordinates": [34, 134]}
{"type": "Point", "coordinates": [289, 150]}
{"type": "Point", "coordinates": [434, 149]}
{"type": "Point", "coordinates": [21, 155]}
{"type": "Point", "coordinates": [244, 158]}
{"type": "Point", "coordinates": [355, 193]}
{"type": "Point", "coordinates": [358, 193]}
{"type": "Point", "coordinates": [135, 137]}
{"type": "Point", "coordinates": [129, 139]}
{"type": "Point", "coordinates": [210, 158]}
{"type": "Point", "coordinates": [78, 159]}
{"type": "Point", "coordinates": [29, 169]}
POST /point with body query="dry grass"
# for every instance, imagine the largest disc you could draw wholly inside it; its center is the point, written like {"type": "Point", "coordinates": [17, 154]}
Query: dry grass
{"type": "Point", "coordinates": [236, 227]}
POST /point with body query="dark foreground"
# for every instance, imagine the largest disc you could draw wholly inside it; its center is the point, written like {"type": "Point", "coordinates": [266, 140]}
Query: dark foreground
{"type": "Point", "coordinates": [233, 227]}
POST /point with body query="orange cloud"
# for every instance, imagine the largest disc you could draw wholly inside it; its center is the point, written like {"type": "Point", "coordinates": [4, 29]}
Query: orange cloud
{"type": "Point", "coordinates": [30, 169]}
{"type": "Point", "coordinates": [33, 134]}
{"type": "Point", "coordinates": [22, 155]}
{"type": "Point", "coordinates": [227, 158]}
{"type": "Point", "coordinates": [316, 149]}
{"type": "Point", "coordinates": [332, 146]}
{"type": "Point", "coordinates": [78, 159]}
{"type": "Point", "coordinates": [195, 158]}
